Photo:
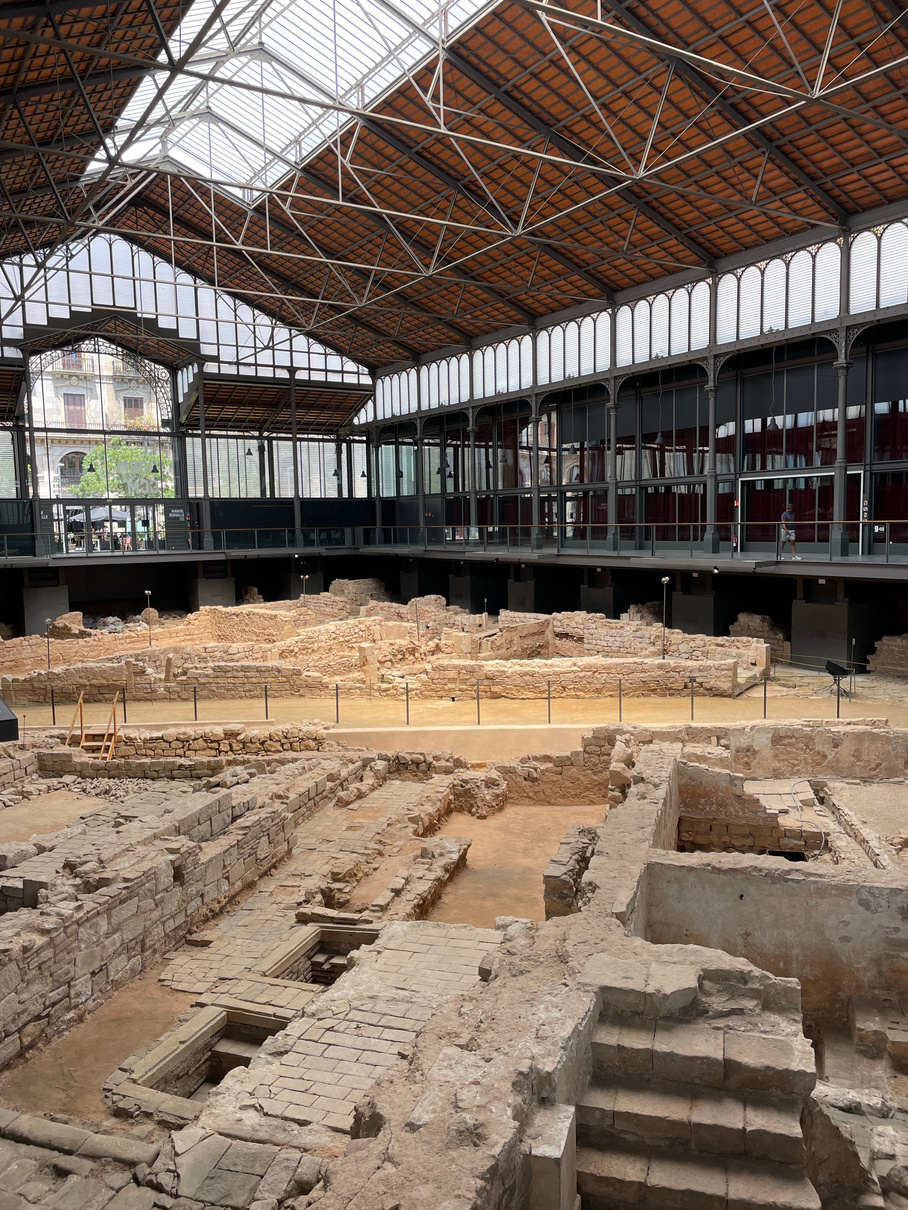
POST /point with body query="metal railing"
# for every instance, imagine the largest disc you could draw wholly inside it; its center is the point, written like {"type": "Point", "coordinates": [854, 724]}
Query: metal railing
{"type": "Point", "coordinates": [349, 704]}
{"type": "Point", "coordinates": [880, 541]}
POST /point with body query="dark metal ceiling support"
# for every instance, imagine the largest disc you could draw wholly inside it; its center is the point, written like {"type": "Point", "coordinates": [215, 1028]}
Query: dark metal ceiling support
{"type": "Point", "coordinates": [576, 152]}
{"type": "Point", "coordinates": [287, 229]}
{"type": "Point", "coordinates": [66, 83]}
{"type": "Point", "coordinates": [44, 8]}
{"type": "Point", "coordinates": [491, 207]}
{"type": "Point", "coordinates": [701, 83]}
{"type": "Point", "coordinates": [388, 228]}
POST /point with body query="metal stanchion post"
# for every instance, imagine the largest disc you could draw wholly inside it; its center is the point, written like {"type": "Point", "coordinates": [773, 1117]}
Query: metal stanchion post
{"type": "Point", "coordinates": [195, 702]}
{"type": "Point", "coordinates": [620, 702]}
{"type": "Point", "coordinates": [337, 703]}
{"type": "Point", "coordinates": [266, 703]}
{"type": "Point", "coordinates": [691, 699]}
{"type": "Point", "coordinates": [550, 700]}
{"type": "Point", "coordinates": [407, 691]}
{"type": "Point", "coordinates": [53, 709]}
{"type": "Point", "coordinates": [764, 697]}
{"type": "Point", "coordinates": [478, 715]}
{"type": "Point", "coordinates": [124, 707]}
{"type": "Point", "coordinates": [838, 698]}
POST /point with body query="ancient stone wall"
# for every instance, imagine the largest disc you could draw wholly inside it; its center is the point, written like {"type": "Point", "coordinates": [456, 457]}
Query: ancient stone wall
{"type": "Point", "coordinates": [760, 626]}
{"type": "Point", "coordinates": [602, 636]}
{"type": "Point", "coordinates": [582, 677]}
{"type": "Point", "coordinates": [61, 960]}
{"type": "Point", "coordinates": [778, 916]}
{"type": "Point", "coordinates": [890, 655]}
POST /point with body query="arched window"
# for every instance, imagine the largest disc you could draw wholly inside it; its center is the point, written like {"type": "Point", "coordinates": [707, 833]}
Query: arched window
{"type": "Point", "coordinates": [894, 265]}
{"type": "Point", "coordinates": [71, 469]}
{"type": "Point", "coordinates": [642, 331]}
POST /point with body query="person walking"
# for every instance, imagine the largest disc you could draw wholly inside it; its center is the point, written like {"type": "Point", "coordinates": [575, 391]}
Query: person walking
{"type": "Point", "coordinates": [788, 533]}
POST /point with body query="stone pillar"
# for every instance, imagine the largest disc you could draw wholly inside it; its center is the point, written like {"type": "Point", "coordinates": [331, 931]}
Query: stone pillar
{"type": "Point", "coordinates": [838, 533]}
{"type": "Point", "coordinates": [711, 534]}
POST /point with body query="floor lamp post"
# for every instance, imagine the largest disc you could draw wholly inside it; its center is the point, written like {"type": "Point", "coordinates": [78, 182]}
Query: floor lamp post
{"type": "Point", "coordinates": [148, 608]}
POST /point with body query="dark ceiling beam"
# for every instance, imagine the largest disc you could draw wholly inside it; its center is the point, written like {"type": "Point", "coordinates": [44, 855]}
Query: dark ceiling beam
{"type": "Point", "coordinates": [491, 207]}
{"type": "Point", "coordinates": [66, 83]}
{"type": "Point", "coordinates": [714, 97]}
{"type": "Point", "coordinates": [286, 282]}
{"type": "Point", "coordinates": [576, 152]}
{"type": "Point", "coordinates": [15, 151]}
{"type": "Point", "coordinates": [419, 245]}
{"type": "Point", "coordinates": [46, 8]}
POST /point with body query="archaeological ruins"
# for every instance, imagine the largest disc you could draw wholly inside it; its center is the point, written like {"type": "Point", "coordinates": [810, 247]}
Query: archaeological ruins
{"type": "Point", "coordinates": [251, 965]}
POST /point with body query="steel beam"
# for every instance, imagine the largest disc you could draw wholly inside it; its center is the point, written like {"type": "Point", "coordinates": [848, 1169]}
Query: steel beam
{"type": "Point", "coordinates": [67, 83]}
{"type": "Point", "coordinates": [697, 80]}
{"type": "Point", "coordinates": [288, 282]}
{"type": "Point", "coordinates": [491, 207]}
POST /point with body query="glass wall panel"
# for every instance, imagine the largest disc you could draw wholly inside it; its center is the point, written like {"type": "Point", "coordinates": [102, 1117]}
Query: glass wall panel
{"type": "Point", "coordinates": [548, 449]}
{"type": "Point", "coordinates": [790, 416]}
{"type": "Point", "coordinates": [890, 503]}
{"type": "Point", "coordinates": [485, 476]}
{"type": "Point", "coordinates": [673, 433]}
{"type": "Point", "coordinates": [233, 466]}
{"type": "Point", "coordinates": [9, 479]}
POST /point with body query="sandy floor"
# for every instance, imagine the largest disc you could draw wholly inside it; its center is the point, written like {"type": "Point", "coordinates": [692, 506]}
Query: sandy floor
{"type": "Point", "coordinates": [67, 1075]}
{"type": "Point", "coordinates": [882, 806]}
{"type": "Point", "coordinates": [510, 850]}
{"type": "Point", "coordinates": [807, 701]}
{"type": "Point", "coordinates": [45, 814]}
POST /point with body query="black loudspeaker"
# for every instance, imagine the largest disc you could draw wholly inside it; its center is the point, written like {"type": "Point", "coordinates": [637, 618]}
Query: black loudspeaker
{"type": "Point", "coordinates": [9, 724]}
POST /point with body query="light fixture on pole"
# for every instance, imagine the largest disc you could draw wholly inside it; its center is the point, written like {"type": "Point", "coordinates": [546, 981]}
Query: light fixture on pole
{"type": "Point", "coordinates": [665, 582]}
{"type": "Point", "coordinates": [148, 608]}
{"type": "Point", "coordinates": [47, 625]}
{"type": "Point", "coordinates": [305, 578]}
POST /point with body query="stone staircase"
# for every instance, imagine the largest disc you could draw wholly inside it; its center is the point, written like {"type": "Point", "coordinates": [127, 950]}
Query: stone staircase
{"type": "Point", "coordinates": [693, 1114]}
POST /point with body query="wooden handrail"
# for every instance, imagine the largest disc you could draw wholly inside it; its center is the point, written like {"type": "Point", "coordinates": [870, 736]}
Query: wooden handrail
{"type": "Point", "coordinates": [79, 714]}
{"type": "Point", "coordinates": [112, 720]}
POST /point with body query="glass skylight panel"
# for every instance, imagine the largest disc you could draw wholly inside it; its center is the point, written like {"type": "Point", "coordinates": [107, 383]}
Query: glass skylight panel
{"type": "Point", "coordinates": [330, 51]}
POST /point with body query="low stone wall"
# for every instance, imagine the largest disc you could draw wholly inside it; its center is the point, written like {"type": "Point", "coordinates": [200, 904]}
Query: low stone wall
{"type": "Point", "coordinates": [842, 933]}
{"type": "Point", "coordinates": [18, 761]}
{"type": "Point", "coordinates": [890, 655]}
{"type": "Point", "coordinates": [598, 635]}
{"type": "Point", "coordinates": [562, 876]}
{"type": "Point", "coordinates": [59, 961]}
{"type": "Point", "coordinates": [760, 626]}
{"type": "Point", "coordinates": [716, 813]}
{"type": "Point", "coordinates": [583, 677]}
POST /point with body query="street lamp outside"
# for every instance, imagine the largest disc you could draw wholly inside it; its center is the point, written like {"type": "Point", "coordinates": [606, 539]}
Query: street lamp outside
{"type": "Point", "coordinates": [47, 626]}
{"type": "Point", "coordinates": [148, 607]}
{"type": "Point", "coordinates": [665, 582]}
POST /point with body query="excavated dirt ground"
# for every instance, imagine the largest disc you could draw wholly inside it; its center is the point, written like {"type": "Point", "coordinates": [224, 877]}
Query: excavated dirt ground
{"type": "Point", "coordinates": [66, 1076]}
{"type": "Point", "coordinates": [504, 869]}
{"type": "Point", "coordinates": [47, 813]}
{"type": "Point", "coordinates": [875, 697]}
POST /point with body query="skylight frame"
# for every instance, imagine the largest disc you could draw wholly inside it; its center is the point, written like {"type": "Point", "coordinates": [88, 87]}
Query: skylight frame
{"type": "Point", "coordinates": [216, 131]}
